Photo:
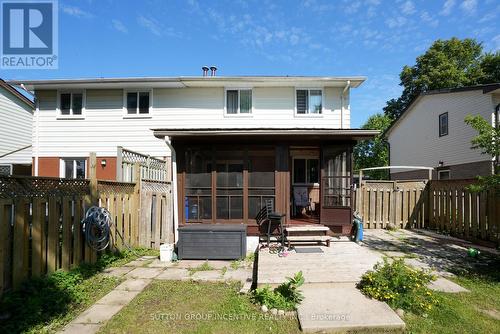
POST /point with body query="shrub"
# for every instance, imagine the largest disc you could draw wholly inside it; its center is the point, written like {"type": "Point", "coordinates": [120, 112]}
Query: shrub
{"type": "Point", "coordinates": [400, 286]}
{"type": "Point", "coordinates": [285, 297]}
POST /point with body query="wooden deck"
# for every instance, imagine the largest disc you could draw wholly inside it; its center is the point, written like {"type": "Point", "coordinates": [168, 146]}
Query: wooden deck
{"type": "Point", "coordinates": [344, 261]}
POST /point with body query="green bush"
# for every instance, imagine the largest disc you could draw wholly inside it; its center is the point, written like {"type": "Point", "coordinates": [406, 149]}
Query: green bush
{"type": "Point", "coordinates": [285, 297]}
{"type": "Point", "coordinates": [400, 286]}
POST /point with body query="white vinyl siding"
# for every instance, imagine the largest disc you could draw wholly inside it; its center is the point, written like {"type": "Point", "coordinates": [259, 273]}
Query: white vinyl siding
{"type": "Point", "coordinates": [415, 139]}
{"type": "Point", "coordinates": [15, 129]}
{"type": "Point", "coordinates": [106, 126]}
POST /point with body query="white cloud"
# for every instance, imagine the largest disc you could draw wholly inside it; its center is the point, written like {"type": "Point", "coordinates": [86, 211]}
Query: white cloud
{"type": "Point", "coordinates": [496, 42]}
{"type": "Point", "coordinates": [469, 6]}
{"type": "Point", "coordinates": [396, 22]}
{"type": "Point", "coordinates": [426, 17]}
{"type": "Point", "coordinates": [408, 7]}
{"type": "Point", "coordinates": [75, 11]}
{"type": "Point", "coordinates": [447, 7]}
{"type": "Point", "coordinates": [353, 7]}
{"type": "Point", "coordinates": [118, 25]}
{"type": "Point", "coordinates": [156, 28]}
{"type": "Point", "coordinates": [488, 17]}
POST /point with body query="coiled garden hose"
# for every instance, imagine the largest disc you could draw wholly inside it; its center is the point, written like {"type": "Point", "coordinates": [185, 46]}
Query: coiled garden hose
{"type": "Point", "coordinates": [96, 228]}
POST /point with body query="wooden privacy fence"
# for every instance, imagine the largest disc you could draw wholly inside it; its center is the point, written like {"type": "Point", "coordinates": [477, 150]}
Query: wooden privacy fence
{"type": "Point", "coordinates": [443, 205]}
{"type": "Point", "coordinates": [40, 221]}
{"type": "Point", "coordinates": [400, 203]}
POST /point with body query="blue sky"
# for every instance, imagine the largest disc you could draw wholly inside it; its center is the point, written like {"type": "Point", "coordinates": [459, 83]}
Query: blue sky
{"type": "Point", "coordinates": [374, 38]}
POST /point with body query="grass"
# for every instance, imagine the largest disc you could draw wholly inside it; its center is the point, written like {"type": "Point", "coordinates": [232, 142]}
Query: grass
{"type": "Point", "coordinates": [46, 304]}
{"type": "Point", "coordinates": [202, 267]}
{"type": "Point", "coordinates": [195, 307]}
{"type": "Point", "coordinates": [248, 260]}
{"type": "Point", "coordinates": [464, 312]}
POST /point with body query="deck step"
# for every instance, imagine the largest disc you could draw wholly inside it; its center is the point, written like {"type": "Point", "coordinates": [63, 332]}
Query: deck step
{"type": "Point", "coordinates": [307, 228]}
{"type": "Point", "coordinates": [308, 238]}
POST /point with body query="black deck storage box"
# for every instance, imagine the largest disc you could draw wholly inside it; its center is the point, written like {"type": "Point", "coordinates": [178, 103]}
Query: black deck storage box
{"type": "Point", "coordinates": [212, 242]}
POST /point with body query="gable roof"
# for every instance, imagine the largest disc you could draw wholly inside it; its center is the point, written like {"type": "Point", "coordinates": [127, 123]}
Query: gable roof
{"type": "Point", "coordinates": [17, 94]}
{"type": "Point", "coordinates": [487, 89]}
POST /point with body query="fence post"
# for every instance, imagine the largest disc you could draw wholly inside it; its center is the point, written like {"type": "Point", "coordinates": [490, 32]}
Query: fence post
{"type": "Point", "coordinates": [136, 206]}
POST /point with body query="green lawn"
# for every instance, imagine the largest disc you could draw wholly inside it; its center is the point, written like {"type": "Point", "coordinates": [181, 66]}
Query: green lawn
{"type": "Point", "coordinates": [464, 312]}
{"type": "Point", "coordinates": [46, 304]}
{"type": "Point", "coordinates": [192, 307]}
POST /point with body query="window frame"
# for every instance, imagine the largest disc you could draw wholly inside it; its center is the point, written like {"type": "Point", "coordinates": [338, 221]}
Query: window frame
{"type": "Point", "coordinates": [308, 114]}
{"type": "Point", "coordinates": [62, 167]}
{"type": "Point", "coordinates": [11, 168]}
{"type": "Point", "coordinates": [238, 114]}
{"type": "Point", "coordinates": [447, 124]}
{"type": "Point", "coordinates": [444, 171]}
{"type": "Point", "coordinates": [137, 114]}
{"type": "Point", "coordinates": [307, 183]}
{"type": "Point", "coordinates": [71, 115]}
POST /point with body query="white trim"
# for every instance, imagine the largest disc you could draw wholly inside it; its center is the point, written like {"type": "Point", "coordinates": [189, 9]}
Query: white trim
{"type": "Point", "coordinates": [11, 168]}
{"type": "Point", "coordinates": [69, 91]}
{"type": "Point", "coordinates": [36, 140]}
{"type": "Point", "coordinates": [238, 113]}
{"type": "Point", "coordinates": [307, 114]}
{"type": "Point", "coordinates": [137, 115]}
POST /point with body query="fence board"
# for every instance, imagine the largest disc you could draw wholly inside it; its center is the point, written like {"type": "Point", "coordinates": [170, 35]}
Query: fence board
{"type": "Point", "coordinates": [4, 240]}
{"type": "Point", "coordinates": [38, 231]}
{"type": "Point", "coordinates": [77, 233]}
{"type": "Point", "coordinates": [67, 226]}
{"type": "Point", "coordinates": [53, 235]}
{"type": "Point", "coordinates": [20, 266]}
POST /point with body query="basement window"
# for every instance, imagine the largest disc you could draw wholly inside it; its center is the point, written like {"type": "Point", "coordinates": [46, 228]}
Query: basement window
{"type": "Point", "coordinates": [73, 168]}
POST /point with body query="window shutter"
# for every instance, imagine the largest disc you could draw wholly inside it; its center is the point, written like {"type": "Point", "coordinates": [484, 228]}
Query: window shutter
{"type": "Point", "coordinates": [302, 101]}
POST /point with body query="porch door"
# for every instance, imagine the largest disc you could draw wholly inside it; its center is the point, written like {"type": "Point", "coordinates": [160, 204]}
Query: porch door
{"type": "Point", "coordinates": [336, 191]}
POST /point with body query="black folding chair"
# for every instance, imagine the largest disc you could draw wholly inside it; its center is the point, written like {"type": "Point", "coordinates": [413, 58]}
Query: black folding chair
{"type": "Point", "coordinates": [267, 215]}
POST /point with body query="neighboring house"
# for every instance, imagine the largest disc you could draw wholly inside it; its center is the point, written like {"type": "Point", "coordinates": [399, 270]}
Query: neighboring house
{"type": "Point", "coordinates": [16, 113]}
{"type": "Point", "coordinates": [431, 132]}
{"type": "Point", "coordinates": [234, 142]}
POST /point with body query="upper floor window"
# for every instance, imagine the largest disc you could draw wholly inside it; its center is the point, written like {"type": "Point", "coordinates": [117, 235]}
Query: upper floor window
{"type": "Point", "coordinates": [238, 101]}
{"type": "Point", "coordinates": [309, 101]}
{"type": "Point", "coordinates": [71, 103]}
{"type": "Point", "coordinates": [138, 103]}
{"type": "Point", "coordinates": [443, 124]}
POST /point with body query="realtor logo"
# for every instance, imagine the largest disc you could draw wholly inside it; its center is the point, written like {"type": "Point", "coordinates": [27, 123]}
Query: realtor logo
{"type": "Point", "coordinates": [29, 34]}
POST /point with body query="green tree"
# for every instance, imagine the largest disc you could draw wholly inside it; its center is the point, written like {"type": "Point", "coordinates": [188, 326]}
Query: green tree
{"type": "Point", "coordinates": [373, 152]}
{"type": "Point", "coordinates": [446, 64]}
{"type": "Point", "coordinates": [487, 141]}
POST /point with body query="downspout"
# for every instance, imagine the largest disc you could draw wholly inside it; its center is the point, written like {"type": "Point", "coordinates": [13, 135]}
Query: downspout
{"type": "Point", "coordinates": [36, 150]}
{"type": "Point", "coordinates": [342, 99]}
{"type": "Point", "coordinates": [173, 158]}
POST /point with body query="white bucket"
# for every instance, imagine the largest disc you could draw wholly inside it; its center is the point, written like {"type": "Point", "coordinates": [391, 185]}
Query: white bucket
{"type": "Point", "coordinates": [166, 252]}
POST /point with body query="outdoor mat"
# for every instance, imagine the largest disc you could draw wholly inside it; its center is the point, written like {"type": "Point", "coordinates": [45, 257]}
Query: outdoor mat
{"type": "Point", "coordinates": [308, 250]}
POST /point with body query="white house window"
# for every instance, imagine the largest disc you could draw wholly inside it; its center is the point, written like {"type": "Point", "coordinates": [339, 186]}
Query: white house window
{"type": "Point", "coordinates": [444, 174]}
{"type": "Point", "coordinates": [74, 168]}
{"type": "Point", "coordinates": [5, 170]}
{"type": "Point", "coordinates": [138, 103]}
{"type": "Point", "coordinates": [71, 104]}
{"type": "Point", "coordinates": [305, 171]}
{"type": "Point", "coordinates": [309, 101]}
{"type": "Point", "coordinates": [238, 101]}
{"type": "Point", "coordinates": [443, 124]}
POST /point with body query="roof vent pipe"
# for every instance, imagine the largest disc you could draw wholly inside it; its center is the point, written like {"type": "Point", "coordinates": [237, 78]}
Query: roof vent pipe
{"type": "Point", "coordinates": [205, 70]}
{"type": "Point", "coordinates": [213, 69]}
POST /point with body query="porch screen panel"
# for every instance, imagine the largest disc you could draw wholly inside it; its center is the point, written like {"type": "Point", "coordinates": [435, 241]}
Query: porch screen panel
{"type": "Point", "coordinates": [198, 186]}
{"type": "Point", "coordinates": [261, 180]}
{"type": "Point", "coordinates": [229, 188]}
{"type": "Point", "coordinates": [337, 180]}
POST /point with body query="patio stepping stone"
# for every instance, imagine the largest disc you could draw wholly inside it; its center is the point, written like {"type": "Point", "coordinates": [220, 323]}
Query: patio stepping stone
{"type": "Point", "coordinates": [342, 307]}
{"type": "Point", "coordinates": [208, 276]}
{"type": "Point", "coordinates": [97, 314]}
{"type": "Point", "coordinates": [240, 274]}
{"type": "Point", "coordinates": [444, 285]}
{"type": "Point", "coordinates": [160, 264]}
{"type": "Point", "coordinates": [133, 284]}
{"type": "Point", "coordinates": [118, 297]}
{"type": "Point", "coordinates": [144, 272]}
{"type": "Point", "coordinates": [215, 264]}
{"type": "Point", "coordinates": [174, 274]}
{"type": "Point", "coordinates": [136, 263]}
{"type": "Point", "coordinates": [117, 271]}
{"type": "Point", "coordinates": [81, 329]}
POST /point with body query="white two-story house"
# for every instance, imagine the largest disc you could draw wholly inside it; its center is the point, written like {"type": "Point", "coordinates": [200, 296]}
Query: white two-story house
{"type": "Point", "coordinates": [431, 132]}
{"type": "Point", "coordinates": [234, 142]}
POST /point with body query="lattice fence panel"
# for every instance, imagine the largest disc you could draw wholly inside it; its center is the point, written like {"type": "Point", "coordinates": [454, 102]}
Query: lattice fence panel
{"type": "Point", "coordinates": [14, 187]}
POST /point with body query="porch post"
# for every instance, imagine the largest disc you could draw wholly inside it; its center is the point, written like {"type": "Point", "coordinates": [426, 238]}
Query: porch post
{"type": "Point", "coordinates": [175, 208]}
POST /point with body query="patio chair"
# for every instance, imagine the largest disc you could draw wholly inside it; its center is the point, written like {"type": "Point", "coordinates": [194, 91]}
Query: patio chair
{"type": "Point", "coordinates": [267, 215]}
